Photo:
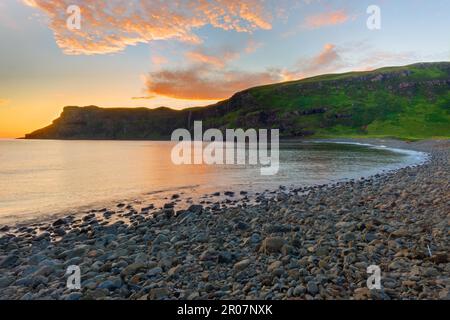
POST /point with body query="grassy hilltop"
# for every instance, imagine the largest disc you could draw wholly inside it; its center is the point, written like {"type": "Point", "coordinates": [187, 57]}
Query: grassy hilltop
{"type": "Point", "coordinates": [410, 102]}
{"type": "Point", "coordinates": [405, 102]}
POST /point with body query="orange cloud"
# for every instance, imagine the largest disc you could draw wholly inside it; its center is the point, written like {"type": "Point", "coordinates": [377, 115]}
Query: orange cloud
{"type": "Point", "coordinates": [326, 19]}
{"type": "Point", "coordinates": [159, 60]}
{"type": "Point", "coordinates": [111, 26]}
{"type": "Point", "coordinates": [327, 60]}
{"type": "Point", "coordinates": [143, 98]}
{"type": "Point", "coordinates": [252, 46]}
{"type": "Point", "coordinates": [4, 102]}
{"type": "Point", "coordinates": [220, 56]}
{"type": "Point", "coordinates": [204, 83]}
{"type": "Point", "coordinates": [326, 56]}
{"type": "Point", "coordinates": [217, 59]}
{"type": "Point", "coordinates": [205, 58]}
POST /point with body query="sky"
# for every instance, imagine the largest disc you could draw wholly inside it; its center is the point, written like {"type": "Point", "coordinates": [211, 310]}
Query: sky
{"type": "Point", "coordinates": [182, 53]}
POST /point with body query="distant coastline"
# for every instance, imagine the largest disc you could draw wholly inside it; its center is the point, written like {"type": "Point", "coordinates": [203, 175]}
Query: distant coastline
{"type": "Point", "coordinates": [388, 102]}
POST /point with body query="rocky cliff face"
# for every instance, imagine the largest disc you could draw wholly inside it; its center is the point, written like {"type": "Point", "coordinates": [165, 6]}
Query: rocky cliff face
{"type": "Point", "coordinates": [362, 103]}
{"type": "Point", "coordinates": [119, 123]}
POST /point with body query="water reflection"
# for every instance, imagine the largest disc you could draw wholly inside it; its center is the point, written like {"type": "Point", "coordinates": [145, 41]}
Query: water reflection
{"type": "Point", "coordinates": [39, 177]}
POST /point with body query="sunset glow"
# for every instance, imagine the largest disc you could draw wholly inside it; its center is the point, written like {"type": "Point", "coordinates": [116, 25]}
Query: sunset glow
{"type": "Point", "coordinates": [193, 53]}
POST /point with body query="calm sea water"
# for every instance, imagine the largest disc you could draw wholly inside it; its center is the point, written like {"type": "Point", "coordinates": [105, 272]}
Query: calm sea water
{"type": "Point", "coordinates": [38, 178]}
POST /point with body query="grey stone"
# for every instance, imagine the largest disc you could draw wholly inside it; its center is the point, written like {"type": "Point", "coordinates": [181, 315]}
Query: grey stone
{"type": "Point", "coordinates": [299, 290]}
{"type": "Point", "coordinates": [154, 271]}
{"type": "Point", "coordinates": [9, 261]}
{"type": "Point", "coordinates": [312, 288]}
{"type": "Point", "coordinates": [241, 265]}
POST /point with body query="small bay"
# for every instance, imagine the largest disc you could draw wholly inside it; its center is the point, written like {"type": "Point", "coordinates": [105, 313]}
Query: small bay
{"type": "Point", "coordinates": [46, 177]}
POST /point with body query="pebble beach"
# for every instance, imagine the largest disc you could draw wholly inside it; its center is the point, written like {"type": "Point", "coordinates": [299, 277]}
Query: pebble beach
{"type": "Point", "coordinates": [309, 243]}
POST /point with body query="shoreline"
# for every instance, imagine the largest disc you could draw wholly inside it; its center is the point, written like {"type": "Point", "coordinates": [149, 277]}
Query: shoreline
{"type": "Point", "coordinates": [315, 244]}
{"type": "Point", "coordinates": [162, 196]}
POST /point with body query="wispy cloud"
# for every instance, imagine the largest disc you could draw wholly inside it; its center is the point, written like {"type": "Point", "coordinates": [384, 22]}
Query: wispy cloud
{"type": "Point", "coordinates": [320, 20]}
{"type": "Point", "coordinates": [377, 59]}
{"type": "Point", "coordinates": [326, 19]}
{"type": "Point", "coordinates": [362, 55]}
{"type": "Point", "coordinates": [158, 60]}
{"type": "Point", "coordinates": [205, 58]}
{"type": "Point", "coordinates": [217, 58]}
{"type": "Point", "coordinates": [4, 102]}
{"type": "Point", "coordinates": [221, 56]}
{"type": "Point", "coordinates": [6, 18]}
{"type": "Point", "coordinates": [252, 46]}
{"type": "Point", "coordinates": [143, 98]}
{"type": "Point", "coordinates": [207, 74]}
{"type": "Point", "coordinates": [204, 82]}
{"type": "Point", "coordinates": [354, 56]}
{"type": "Point", "coordinates": [111, 26]}
{"type": "Point", "coordinates": [329, 59]}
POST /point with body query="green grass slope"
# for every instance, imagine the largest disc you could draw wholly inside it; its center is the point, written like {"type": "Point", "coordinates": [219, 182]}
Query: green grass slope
{"type": "Point", "coordinates": [411, 102]}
